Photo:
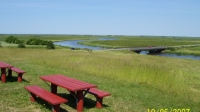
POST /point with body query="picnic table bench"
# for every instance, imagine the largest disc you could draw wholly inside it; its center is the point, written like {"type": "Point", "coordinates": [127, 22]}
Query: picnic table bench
{"type": "Point", "coordinates": [10, 68]}
{"type": "Point", "coordinates": [99, 94]}
{"type": "Point", "coordinates": [46, 95]}
{"type": "Point", "coordinates": [18, 71]}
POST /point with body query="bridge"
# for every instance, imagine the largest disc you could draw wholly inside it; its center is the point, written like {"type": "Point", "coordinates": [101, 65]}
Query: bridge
{"type": "Point", "coordinates": [156, 49]}
{"type": "Point", "coordinates": [150, 49]}
{"type": "Point", "coordinates": [139, 49]}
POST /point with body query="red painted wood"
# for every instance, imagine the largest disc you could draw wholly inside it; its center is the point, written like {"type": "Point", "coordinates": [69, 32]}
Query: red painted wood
{"type": "Point", "coordinates": [70, 84]}
{"type": "Point", "coordinates": [33, 97]}
{"type": "Point", "coordinates": [17, 70]}
{"type": "Point", "coordinates": [67, 83]}
{"type": "Point", "coordinates": [5, 65]}
{"type": "Point", "coordinates": [99, 103]}
{"type": "Point", "coordinates": [19, 77]}
{"type": "Point", "coordinates": [98, 92]}
{"type": "Point", "coordinates": [79, 106]}
{"type": "Point", "coordinates": [3, 75]}
{"type": "Point", "coordinates": [46, 95]}
{"type": "Point", "coordinates": [74, 80]}
{"type": "Point", "coordinates": [56, 108]}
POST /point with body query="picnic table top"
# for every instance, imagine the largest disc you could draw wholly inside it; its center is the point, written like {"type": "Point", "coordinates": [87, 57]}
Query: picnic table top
{"type": "Point", "coordinates": [5, 65]}
{"type": "Point", "coordinates": [68, 83]}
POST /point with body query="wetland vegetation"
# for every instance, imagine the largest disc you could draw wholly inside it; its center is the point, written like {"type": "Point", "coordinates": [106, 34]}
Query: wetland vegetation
{"type": "Point", "coordinates": [136, 82]}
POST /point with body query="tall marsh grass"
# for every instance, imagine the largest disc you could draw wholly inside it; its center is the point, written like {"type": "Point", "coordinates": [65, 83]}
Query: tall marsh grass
{"type": "Point", "coordinates": [136, 82]}
{"type": "Point", "coordinates": [166, 74]}
{"type": "Point", "coordinates": [144, 42]}
{"type": "Point", "coordinates": [187, 51]}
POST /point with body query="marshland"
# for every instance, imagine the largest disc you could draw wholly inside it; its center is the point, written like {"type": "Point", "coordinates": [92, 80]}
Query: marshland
{"type": "Point", "coordinates": [136, 82]}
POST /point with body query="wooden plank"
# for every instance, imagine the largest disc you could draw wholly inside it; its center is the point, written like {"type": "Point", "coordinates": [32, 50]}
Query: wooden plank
{"type": "Point", "coordinates": [46, 95]}
{"type": "Point", "coordinates": [98, 92]}
{"type": "Point", "coordinates": [67, 83]}
{"type": "Point", "coordinates": [5, 65]}
{"type": "Point", "coordinates": [60, 82]}
{"type": "Point", "coordinates": [17, 70]}
{"type": "Point", "coordinates": [75, 80]}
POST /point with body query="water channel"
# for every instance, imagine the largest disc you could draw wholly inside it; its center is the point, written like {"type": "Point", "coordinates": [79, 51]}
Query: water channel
{"type": "Point", "coordinates": [75, 44]}
{"type": "Point", "coordinates": [172, 55]}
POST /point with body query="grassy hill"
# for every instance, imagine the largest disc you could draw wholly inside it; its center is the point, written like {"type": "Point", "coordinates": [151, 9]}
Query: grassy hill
{"type": "Point", "coordinates": [136, 82]}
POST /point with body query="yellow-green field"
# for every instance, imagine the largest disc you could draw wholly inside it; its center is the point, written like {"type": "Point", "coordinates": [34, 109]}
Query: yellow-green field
{"type": "Point", "coordinates": [136, 82]}
{"type": "Point", "coordinates": [144, 41]}
{"type": "Point", "coordinates": [187, 50]}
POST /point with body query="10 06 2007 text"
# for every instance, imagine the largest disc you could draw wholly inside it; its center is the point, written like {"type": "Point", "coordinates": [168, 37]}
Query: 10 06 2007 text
{"type": "Point", "coordinates": [168, 110]}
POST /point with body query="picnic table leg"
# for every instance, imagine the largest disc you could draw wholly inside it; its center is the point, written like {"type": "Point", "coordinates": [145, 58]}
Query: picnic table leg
{"type": "Point", "coordinates": [56, 108]}
{"type": "Point", "coordinates": [99, 102]}
{"type": "Point", "coordinates": [9, 73]}
{"type": "Point", "coordinates": [54, 88]}
{"type": "Point", "coordinates": [79, 106]}
{"type": "Point", "coordinates": [3, 75]}
{"type": "Point", "coordinates": [33, 97]}
{"type": "Point", "coordinates": [20, 77]}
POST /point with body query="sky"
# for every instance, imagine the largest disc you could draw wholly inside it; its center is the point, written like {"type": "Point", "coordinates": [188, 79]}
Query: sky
{"type": "Point", "coordinates": [101, 17]}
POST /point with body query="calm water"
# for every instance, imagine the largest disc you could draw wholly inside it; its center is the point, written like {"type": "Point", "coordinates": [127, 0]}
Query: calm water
{"type": "Point", "coordinates": [74, 44]}
{"type": "Point", "coordinates": [173, 55]}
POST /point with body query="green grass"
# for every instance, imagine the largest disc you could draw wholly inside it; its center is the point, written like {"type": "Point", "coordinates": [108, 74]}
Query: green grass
{"type": "Point", "coordinates": [187, 51]}
{"type": "Point", "coordinates": [136, 82]}
{"type": "Point", "coordinates": [144, 41]}
{"type": "Point", "coordinates": [5, 44]}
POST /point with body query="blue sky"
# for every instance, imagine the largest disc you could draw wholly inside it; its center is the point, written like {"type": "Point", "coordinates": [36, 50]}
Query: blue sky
{"type": "Point", "coordinates": [101, 17]}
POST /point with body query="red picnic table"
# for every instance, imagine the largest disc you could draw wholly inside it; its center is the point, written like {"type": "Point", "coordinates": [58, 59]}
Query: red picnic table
{"type": "Point", "coordinates": [71, 84]}
{"type": "Point", "coordinates": [3, 67]}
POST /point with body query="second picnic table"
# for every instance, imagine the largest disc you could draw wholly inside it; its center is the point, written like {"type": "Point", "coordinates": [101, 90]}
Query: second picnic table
{"type": "Point", "coordinates": [10, 68]}
{"type": "Point", "coordinates": [3, 67]}
{"type": "Point", "coordinates": [71, 84]}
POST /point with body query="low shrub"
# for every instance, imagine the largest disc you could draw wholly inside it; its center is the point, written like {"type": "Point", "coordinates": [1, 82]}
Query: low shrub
{"type": "Point", "coordinates": [171, 49]}
{"type": "Point", "coordinates": [50, 45]}
{"type": "Point", "coordinates": [21, 45]}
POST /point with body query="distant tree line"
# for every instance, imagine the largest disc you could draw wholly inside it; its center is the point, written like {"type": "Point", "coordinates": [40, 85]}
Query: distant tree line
{"type": "Point", "coordinates": [13, 40]}
{"type": "Point", "coordinates": [32, 41]}
{"type": "Point", "coordinates": [35, 41]}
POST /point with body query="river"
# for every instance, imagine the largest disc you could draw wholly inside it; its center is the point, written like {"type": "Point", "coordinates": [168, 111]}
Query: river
{"type": "Point", "coordinates": [172, 55]}
{"type": "Point", "coordinates": [74, 44]}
